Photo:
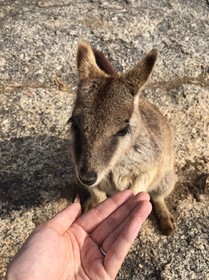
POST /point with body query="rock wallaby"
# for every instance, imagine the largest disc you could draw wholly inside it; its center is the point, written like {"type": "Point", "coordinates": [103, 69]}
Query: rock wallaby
{"type": "Point", "coordinates": [119, 140]}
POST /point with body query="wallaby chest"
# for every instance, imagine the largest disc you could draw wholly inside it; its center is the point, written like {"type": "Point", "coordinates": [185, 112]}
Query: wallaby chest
{"type": "Point", "coordinates": [138, 163]}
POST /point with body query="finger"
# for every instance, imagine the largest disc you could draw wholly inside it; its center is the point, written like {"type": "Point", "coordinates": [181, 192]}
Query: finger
{"type": "Point", "coordinates": [118, 217]}
{"type": "Point", "coordinates": [109, 241]}
{"type": "Point", "coordinates": [63, 220]}
{"type": "Point", "coordinates": [119, 249]}
{"type": "Point", "coordinates": [91, 219]}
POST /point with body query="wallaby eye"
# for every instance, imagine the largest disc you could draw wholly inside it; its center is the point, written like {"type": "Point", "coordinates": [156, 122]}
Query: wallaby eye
{"type": "Point", "coordinates": [124, 131]}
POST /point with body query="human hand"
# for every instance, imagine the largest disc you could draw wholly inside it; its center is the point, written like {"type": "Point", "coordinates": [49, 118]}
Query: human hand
{"type": "Point", "coordinates": [68, 246]}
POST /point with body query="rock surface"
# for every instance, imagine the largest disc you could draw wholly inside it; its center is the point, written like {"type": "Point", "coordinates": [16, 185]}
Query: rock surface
{"type": "Point", "coordinates": [38, 42]}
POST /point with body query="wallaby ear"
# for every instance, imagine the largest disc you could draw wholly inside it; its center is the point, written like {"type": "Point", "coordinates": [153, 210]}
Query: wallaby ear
{"type": "Point", "coordinates": [86, 63]}
{"type": "Point", "coordinates": [138, 75]}
{"type": "Point", "coordinates": [103, 63]}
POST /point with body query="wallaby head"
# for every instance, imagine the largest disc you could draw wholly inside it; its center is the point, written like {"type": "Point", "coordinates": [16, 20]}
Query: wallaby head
{"type": "Point", "coordinates": [105, 121]}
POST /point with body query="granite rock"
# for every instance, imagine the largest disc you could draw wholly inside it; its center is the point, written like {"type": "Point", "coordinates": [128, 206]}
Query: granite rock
{"type": "Point", "coordinates": [38, 41]}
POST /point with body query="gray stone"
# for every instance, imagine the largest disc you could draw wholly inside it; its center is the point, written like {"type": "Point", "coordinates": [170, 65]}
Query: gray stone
{"type": "Point", "coordinates": [38, 41]}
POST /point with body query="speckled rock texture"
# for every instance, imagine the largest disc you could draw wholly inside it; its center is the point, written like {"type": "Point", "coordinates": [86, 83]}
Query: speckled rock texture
{"type": "Point", "coordinates": [38, 41]}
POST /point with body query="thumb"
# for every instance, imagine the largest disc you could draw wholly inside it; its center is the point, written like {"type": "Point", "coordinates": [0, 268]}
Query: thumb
{"type": "Point", "coordinates": [63, 220]}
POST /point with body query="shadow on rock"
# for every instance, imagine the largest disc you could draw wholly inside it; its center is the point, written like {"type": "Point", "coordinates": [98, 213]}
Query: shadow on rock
{"type": "Point", "coordinates": [34, 171]}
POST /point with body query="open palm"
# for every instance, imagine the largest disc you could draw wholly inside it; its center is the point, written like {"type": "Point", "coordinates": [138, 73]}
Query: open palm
{"type": "Point", "coordinates": [68, 245]}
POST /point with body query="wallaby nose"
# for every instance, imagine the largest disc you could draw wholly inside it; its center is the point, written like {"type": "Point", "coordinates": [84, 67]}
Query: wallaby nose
{"type": "Point", "coordinates": [88, 178]}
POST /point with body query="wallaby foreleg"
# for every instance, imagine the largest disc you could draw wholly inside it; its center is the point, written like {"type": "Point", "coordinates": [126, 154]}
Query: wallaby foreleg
{"type": "Point", "coordinates": [96, 197]}
{"type": "Point", "coordinates": [167, 221]}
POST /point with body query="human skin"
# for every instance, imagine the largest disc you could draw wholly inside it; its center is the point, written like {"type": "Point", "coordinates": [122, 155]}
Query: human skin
{"type": "Point", "coordinates": [68, 245]}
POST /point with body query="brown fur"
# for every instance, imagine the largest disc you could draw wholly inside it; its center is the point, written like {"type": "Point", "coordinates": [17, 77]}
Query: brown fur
{"type": "Point", "coordinates": [119, 140]}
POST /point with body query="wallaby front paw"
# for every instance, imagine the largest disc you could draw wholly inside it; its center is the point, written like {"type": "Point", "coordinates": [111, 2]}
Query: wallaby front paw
{"type": "Point", "coordinates": [167, 224]}
{"type": "Point", "coordinates": [88, 205]}
{"type": "Point", "coordinates": [96, 197]}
